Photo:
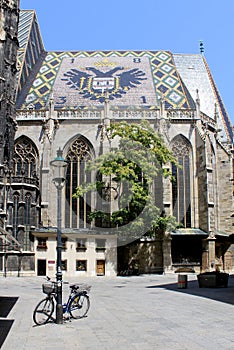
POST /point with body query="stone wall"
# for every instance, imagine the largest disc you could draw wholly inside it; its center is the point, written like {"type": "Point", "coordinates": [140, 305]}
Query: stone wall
{"type": "Point", "coordinates": [8, 71]}
{"type": "Point", "coordinates": [224, 185]}
{"type": "Point", "coordinates": [202, 184]}
{"type": "Point", "coordinates": [148, 255]}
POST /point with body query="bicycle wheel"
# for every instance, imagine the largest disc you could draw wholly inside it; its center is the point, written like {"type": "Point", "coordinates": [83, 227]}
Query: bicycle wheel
{"type": "Point", "coordinates": [43, 311]}
{"type": "Point", "coordinates": [79, 306]}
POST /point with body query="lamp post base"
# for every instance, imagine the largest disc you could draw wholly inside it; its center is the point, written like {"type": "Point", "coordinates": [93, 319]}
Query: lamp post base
{"type": "Point", "coordinates": [59, 314]}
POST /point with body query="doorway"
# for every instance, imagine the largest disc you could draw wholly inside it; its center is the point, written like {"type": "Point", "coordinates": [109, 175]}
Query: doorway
{"type": "Point", "coordinates": [100, 269]}
{"type": "Point", "coordinates": [41, 267]}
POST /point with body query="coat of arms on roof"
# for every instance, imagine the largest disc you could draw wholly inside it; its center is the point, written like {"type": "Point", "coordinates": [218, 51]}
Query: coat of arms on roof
{"type": "Point", "coordinates": [93, 82]}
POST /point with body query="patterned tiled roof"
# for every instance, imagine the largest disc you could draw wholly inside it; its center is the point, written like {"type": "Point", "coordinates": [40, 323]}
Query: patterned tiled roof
{"type": "Point", "coordinates": [132, 78]}
{"type": "Point", "coordinates": [196, 75]}
{"type": "Point", "coordinates": [153, 71]}
{"type": "Point", "coordinates": [31, 51]}
{"type": "Point", "coordinates": [25, 23]}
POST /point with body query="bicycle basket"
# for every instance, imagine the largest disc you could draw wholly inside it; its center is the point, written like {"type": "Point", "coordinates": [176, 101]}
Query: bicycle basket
{"type": "Point", "coordinates": [48, 288]}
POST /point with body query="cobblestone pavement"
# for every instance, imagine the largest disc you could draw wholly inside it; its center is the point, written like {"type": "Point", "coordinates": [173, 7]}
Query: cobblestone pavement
{"type": "Point", "coordinates": [126, 313]}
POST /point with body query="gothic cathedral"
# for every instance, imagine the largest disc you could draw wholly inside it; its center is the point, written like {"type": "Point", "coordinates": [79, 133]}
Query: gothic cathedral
{"type": "Point", "coordinates": [66, 100]}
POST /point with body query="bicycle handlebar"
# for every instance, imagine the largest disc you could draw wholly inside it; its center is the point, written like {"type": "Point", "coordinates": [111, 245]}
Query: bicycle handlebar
{"type": "Point", "coordinates": [74, 286]}
{"type": "Point", "coordinates": [49, 279]}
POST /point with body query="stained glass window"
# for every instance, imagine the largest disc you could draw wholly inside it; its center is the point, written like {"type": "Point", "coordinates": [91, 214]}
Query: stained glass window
{"type": "Point", "coordinates": [181, 186]}
{"type": "Point", "coordinates": [77, 209]}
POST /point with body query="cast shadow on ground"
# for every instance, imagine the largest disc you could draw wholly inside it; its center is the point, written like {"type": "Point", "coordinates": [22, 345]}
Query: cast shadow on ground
{"type": "Point", "coordinates": [224, 295]}
{"type": "Point", "coordinates": [5, 326]}
{"type": "Point", "coordinates": [6, 304]}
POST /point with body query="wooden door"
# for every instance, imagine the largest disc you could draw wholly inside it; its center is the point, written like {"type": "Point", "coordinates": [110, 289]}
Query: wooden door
{"type": "Point", "coordinates": [41, 267]}
{"type": "Point", "coordinates": [100, 267]}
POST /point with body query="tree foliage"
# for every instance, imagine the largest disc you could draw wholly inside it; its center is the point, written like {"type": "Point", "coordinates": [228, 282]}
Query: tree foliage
{"type": "Point", "coordinates": [130, 171]}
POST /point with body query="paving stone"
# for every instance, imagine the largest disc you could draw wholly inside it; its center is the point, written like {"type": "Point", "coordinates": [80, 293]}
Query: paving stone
{"type": "Point", "coordinates": [130, 313]}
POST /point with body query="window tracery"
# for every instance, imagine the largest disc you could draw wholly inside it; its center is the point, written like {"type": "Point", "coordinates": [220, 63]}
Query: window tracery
{"type": "Point", "coordinates": [25, 158]}
{"type": "Point", "coordinates": [77, 209]}
{"type": "Point", "coordinates": [21, 206]}
{"type": "Point", "coordinates": [181, 186]}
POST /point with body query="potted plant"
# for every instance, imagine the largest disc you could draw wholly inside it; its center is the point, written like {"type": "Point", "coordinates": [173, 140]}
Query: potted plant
{"type": "Point", "coordinates": [213, 279]}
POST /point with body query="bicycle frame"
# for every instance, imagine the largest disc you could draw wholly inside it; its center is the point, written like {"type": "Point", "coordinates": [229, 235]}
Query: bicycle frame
{"type": "Point", "coordinates": [76, 305]}
{"type": "Point", "coordinates": [67, 304]}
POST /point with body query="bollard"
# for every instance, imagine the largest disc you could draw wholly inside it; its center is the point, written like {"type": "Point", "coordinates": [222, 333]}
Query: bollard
{"type": "Point", "coordinates": [182, 281]}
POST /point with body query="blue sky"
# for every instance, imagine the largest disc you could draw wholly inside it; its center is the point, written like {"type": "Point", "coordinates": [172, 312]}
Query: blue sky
{"type": "Point", "coordinates": [177, 26]}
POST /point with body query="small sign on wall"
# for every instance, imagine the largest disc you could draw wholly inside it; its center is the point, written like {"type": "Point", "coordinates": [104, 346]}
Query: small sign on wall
{"type": "Point", "coordinates": [51, 265]}
{"type": "Point", "coordinates": [50, 262]}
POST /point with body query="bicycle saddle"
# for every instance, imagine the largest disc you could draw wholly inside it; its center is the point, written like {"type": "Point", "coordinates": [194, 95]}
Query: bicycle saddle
{"type": "Point", "coordinates": [74, 286]}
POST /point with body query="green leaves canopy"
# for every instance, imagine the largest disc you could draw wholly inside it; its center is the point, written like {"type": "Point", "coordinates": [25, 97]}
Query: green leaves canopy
{"type": "Point", "coordinates": [131, 169]}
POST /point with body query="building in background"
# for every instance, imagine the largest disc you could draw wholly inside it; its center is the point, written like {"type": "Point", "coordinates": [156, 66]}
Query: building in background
{"type": "Point", "coordinates": [9, 16]}
{"type": "Point", "coordinates": [65, 100]}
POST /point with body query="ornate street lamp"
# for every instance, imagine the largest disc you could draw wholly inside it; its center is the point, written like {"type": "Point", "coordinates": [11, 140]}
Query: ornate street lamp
{"type": "Point", "coordinates": [59, 164]}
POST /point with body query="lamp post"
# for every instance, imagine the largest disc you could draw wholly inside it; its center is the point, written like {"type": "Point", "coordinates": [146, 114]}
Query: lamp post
{"type": "Point", "coordinates": [59, 164]}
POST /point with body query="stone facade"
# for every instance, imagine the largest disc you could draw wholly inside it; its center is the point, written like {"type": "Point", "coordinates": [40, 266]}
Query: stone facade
{"type": "Point", "coordinates": [67, 100]}
{"type": "Point", "coordinates": [9, 17]}
{"type": "Point", "coordinates": [8, 71]}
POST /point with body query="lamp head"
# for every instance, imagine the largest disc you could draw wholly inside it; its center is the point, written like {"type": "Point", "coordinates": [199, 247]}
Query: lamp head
{"type": "Point", "coordinates": [59, 165]}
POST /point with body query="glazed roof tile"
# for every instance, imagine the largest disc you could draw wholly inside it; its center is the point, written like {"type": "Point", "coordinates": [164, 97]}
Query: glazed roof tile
{"type": "Point", "coordinates": [153, 71]}
{"type": "Point", "coordinates": [196, 75]}
{"type": "Point", "coordinates": [25, 23]}
{"type": "Point", "coordinates": [132, 78]}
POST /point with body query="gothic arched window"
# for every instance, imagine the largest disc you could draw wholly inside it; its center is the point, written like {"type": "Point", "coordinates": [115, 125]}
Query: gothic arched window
{"type": "Point", "coordinates": [22, 209]}
{"type": "Point", "coordinates": [25, 157]}
{"type": "Point", "coordinates": [77, 210]}
{"type": "Point", "coordinates": [181, 186]}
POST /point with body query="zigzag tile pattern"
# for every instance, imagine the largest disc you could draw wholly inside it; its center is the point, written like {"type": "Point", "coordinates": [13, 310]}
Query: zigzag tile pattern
{"type": "Point", "coordinates": [166, 79]}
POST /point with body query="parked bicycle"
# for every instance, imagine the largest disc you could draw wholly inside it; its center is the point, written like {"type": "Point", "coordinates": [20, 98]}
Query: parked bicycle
{"type": "Point", "coordinates": [77, 304]}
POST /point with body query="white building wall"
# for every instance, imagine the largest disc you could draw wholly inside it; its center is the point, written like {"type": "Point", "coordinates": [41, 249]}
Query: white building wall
{"type": "Point", "coordinates": [71, 255]}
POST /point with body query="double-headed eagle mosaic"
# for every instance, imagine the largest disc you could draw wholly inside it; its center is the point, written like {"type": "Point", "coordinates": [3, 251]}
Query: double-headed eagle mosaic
{"type": "Point", "coordinates": [117, 81]}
